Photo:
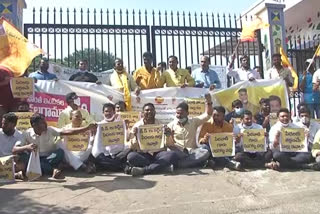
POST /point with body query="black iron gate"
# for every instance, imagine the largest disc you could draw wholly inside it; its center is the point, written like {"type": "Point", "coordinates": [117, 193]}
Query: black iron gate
{"type": "Point", "coordinates": [100, 36]}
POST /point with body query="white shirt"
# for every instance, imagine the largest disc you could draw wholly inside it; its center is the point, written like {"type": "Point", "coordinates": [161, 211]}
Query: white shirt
{"type": "Point", "coordinates": [313, 129]}
{"type": "Point", "coordinates": [107, 150]}
{"type": "Point", "coordinates": [239, 128]}
{"type": "Point", "coordinates": [316, 76]}
{"type": "Point", "coordinates": [7, 142]}
{"type": "Point", "coordinates": [46, 141]}
{"type": "Point", "coordinates": [273, 132]}
{"type": "Point", "coordinates": [240, 74]}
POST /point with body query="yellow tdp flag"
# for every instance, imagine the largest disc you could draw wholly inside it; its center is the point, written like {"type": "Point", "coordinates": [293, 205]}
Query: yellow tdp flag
{"type": "Point", "coordinates": [247, 33]}
{"type": "Point", "coordinates": [16, 53]}
{"type": "Point", "coordinates": [286, 63]}
{"type": "Point", "coordinates": [318, 51]}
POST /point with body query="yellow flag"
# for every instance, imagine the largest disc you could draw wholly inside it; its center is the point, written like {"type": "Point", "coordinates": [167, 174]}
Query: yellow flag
{"type": "Point", "coordinates": [318, 51]}
{"type": "Point", "coordinates": [16, 53]}
{"type": "Point", "coordinates": [286, 63]}
{"type": "Point", "coordinates": [247, 33]}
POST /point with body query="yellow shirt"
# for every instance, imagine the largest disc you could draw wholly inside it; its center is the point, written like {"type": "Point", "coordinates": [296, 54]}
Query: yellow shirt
{"type": "Point", "coordinates": [148, 80]}
{"type": "Point", "coordinates": [210, 127]}
{"type": "Point", "coordinates": [176, 78]}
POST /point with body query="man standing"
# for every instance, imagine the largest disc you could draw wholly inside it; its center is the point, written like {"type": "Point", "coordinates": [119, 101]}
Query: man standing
{"type": "Point", "coordinates": [43, 74]}
{"type": "Point", "coordinates": [147, 77]}
{"type": "Point", "coordinates": [42, 138]}
{"type": "Point", "coordinates": [204, 77]}
{"type": "Point", "coordinates": [181, 135]}
{"type": "Point", "coordinates": [73, 102]}
{"type": "Point", "coordinates": [121, 80]}
{"type": "Point", "coordinates": [176, 77]}
{"type": "Point", "coordinates": [285, 159]}
{"type": "Point", "coordinates": [147, 162]}
{"type": "Point", "coordinates": [244, 72]}
{"type": "Point", "coordinates": [278, 71]}
{"type": "Point", "coordinates": [83, 75]}
{"type": "Point", "coordinates": [249, 159]}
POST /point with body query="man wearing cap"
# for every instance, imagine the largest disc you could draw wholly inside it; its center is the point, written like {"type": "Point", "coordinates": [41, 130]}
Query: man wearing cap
{"type": "Point", "coordinates": [73, 102]}
{"type": "Point", "coordinates": [244, 72]}
{"type": "Point", "coordinates": [310, 96]}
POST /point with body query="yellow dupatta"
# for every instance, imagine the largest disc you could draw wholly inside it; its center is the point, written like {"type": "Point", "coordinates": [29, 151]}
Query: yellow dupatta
{"type": "Point", "coordinates": [122, 80]}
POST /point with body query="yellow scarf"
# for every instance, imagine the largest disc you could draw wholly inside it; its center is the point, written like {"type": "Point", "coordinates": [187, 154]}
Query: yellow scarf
{"type": "Point", "coordinates": [122, 79]}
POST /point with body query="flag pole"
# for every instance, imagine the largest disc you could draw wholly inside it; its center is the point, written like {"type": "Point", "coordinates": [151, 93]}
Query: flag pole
{"type": "Point", "coordinates": [312, 60]}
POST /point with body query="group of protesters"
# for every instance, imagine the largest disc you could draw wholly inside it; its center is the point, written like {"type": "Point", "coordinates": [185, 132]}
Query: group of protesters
{"type": "Point", "coordinates": [183, 148]}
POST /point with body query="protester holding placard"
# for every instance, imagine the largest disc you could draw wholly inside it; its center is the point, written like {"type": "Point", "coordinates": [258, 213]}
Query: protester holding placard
{"type": "Point", "coordinates": [216, 124]}
{"type": "Point", "coordinates": [42, 138]}
{"type": "Point", "coordinates": [110, 156]}
{"type": "Point", "coordinates": [235, 115]}
{"type": "Point", "coordinates": [43, 73]}
{"type": "Point", "coordinates": [174, 76]}
{"type": "Point", "coordinates": [143, 160]}
{"type": "Point", "coordinates": [147, 77]}
{"type": "Point", "coordinates": [285, 159]}
{"type": "Point", "coordinates": [9, 135]}
{"type": "Point", "coordinates": [263, 116]}
{"type": "Point", "coordinates": [251, 151]}
{"type": "Point", "coordinates": [181, 135]}
{"type": "Point", "coordinates": [83, 75]}
{"type": "Point", "coordinates": [74, 103]}
{"type": "Point", "coordinates": [77, 148]}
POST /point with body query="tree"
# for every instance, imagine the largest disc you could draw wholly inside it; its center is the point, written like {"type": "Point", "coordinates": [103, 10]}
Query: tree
{"type": "Point", "coordinates": [93, 57]}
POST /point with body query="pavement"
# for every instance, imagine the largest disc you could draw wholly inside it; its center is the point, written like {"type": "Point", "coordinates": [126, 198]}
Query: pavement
{"type": "Point", "coordinates": [183, 191]}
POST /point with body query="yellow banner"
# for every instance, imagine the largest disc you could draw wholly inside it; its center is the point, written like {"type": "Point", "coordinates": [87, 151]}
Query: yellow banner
{"type": "Point", "coordinates": [113, 133]}
{"type": "Point", "coordinates": [196, 106]}
{"type": "Point", "coordinates": [23, 120]}
{"type": "Point", "coordinates": [16, 52]}
{"type": "Point", "coordinates": [78, 142]}
{"type": "Point", "coordinates": [151, 138]}
{"type": "Point", "coordinates": [131, 116]}
{"type": "Point", "coordinates": [222, 145]}
{"type": "Point", "coordinates": [293, 140]}
{"type": "Point", "coordinates": [22, 87]}
{"type": "Point", "coordinates": [254, 140]}
{"type": "Point", "coordinates": [6, 169]}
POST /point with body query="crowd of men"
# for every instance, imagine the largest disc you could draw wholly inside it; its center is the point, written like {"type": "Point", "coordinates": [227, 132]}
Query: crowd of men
{"type": "Point", "coordinates": [183, 147]}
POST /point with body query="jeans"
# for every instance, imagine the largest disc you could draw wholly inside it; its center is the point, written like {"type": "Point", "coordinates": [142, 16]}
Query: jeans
{"type": "Point", "coordinates": [220, 161]}
{"type": "Point", "coordinates": [48, 163]}
{"type": "Point", "coordinates": [292, 159]}
{"type": "Point", "coordinates": [314, 109]}
{"type": "Point", "coordinates": [195, 157]}
{"type": "Point", "coordinates": [255, 160]}
{"type": "Point", "coordinates": [112, 163]}
{"type": "Point", "coordinates": [152, 163]}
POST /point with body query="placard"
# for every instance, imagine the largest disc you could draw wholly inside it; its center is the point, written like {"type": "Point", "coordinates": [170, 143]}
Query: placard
{"type": "Point", "coordinates": [197, 106]}
{"type": "Point", "coordinates": [151, 137]}
{"type": "Point", "coordinates": [78, 142]}
{"type": "Point", "coordinates": [131, 116]}
{"type": "Point", "coordinates": [222, 145]}
{"type": "Point", "coordinates": [22, 87]}
{"type": "Point", "coordinates": [254, 140]}
{"type": "Point", "coordinates": [113, 133]}
{"type": "Point", "coordinates": [23, 122]}
{"type": "Point", "coordinates": [6, 169]}
{"type": "Point", "coordinates": [293, 140]}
